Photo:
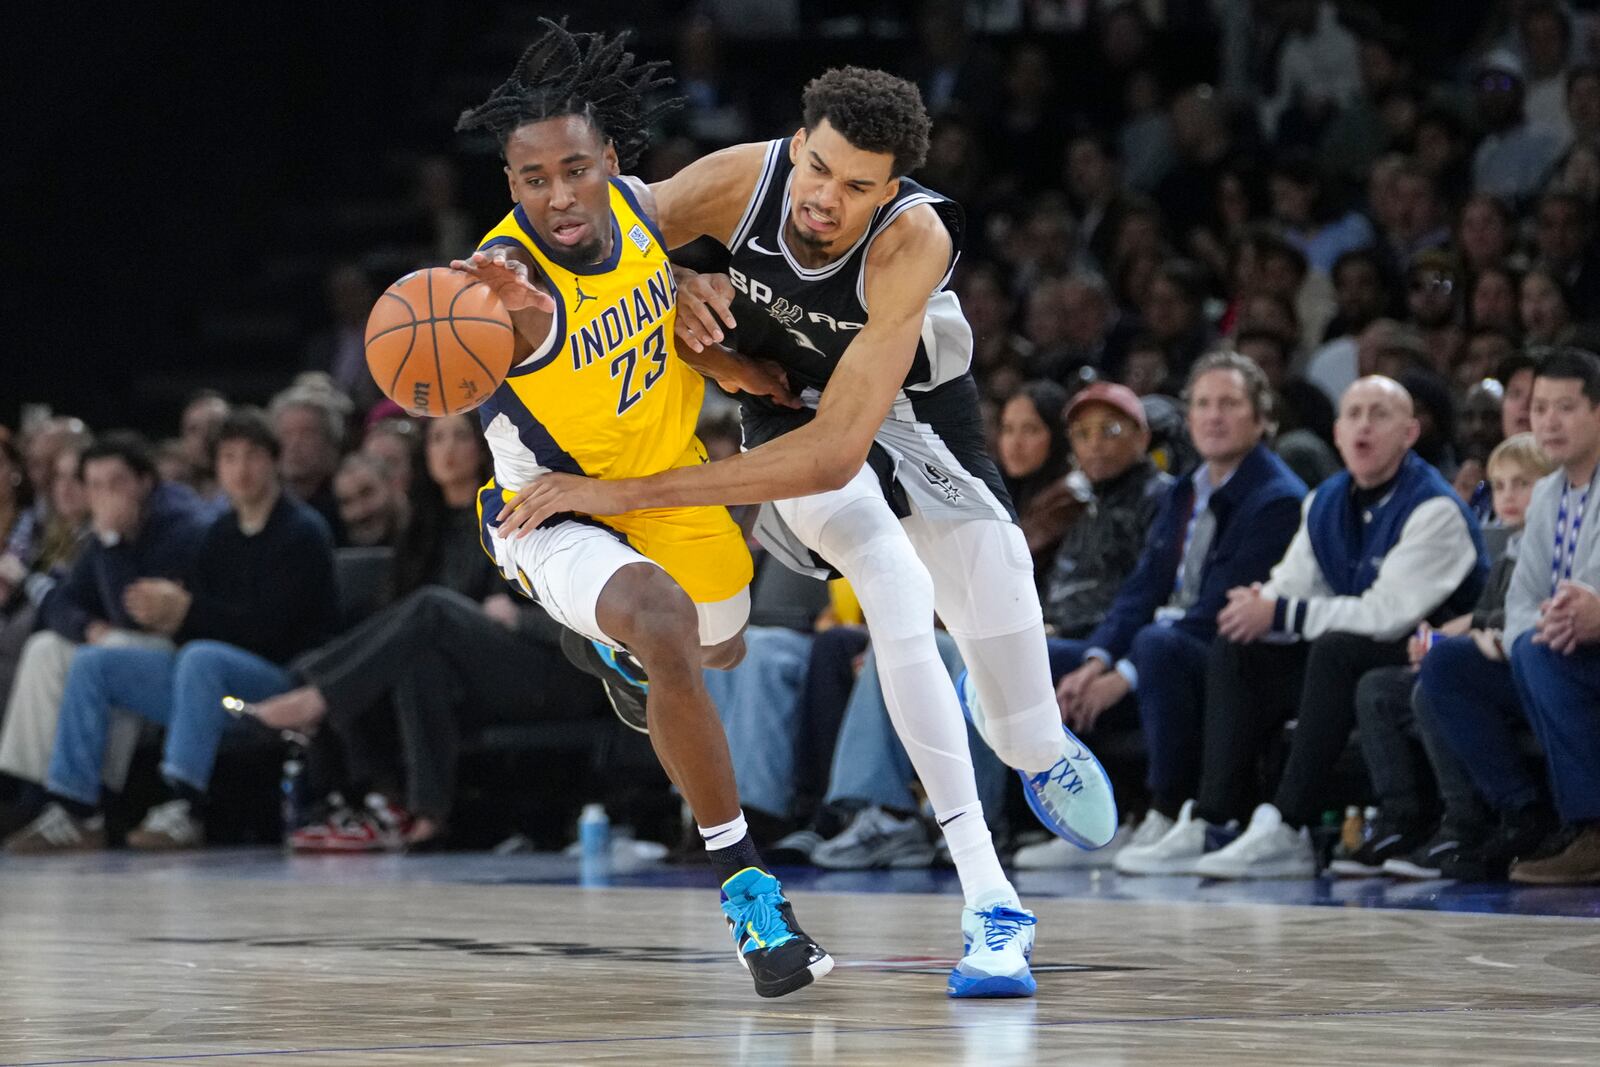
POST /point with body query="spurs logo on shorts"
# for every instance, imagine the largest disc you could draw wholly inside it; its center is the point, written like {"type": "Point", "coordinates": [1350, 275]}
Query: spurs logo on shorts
{"type": "Point", "coordinates": [940, 479]}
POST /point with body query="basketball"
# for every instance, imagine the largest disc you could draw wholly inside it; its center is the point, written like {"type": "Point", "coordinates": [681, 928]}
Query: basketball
{"type": "Point", "coordinates": [439, 342]}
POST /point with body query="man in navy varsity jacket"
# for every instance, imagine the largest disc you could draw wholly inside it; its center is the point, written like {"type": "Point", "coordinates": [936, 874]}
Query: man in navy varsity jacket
{"type": "Point", "coordinates": [1224, 526]}
{"type": "Point", "coordinates": [1384, 545]}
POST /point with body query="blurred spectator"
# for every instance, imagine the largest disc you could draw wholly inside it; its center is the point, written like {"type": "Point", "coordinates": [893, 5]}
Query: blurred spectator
{"type": "Point", "coordinates": [1515, 375]}
{"type": "Point", "coordinates": [1435, 301]}
{"type": "Point", "coordinates": [452, 654]}
{"type": "Point", "coordinates": [1563, 239]}
{"type": "Point", "coordinates": [371, 510]}
{"type": "Point", "coordinates": [1144, 140]}
{"type": "Point", "coordinates": [340, 350]}
{"type": "Point", "coordinates": [1299, 416]}
{"type": "Point", "coordinates": [1546, 31]}
{"type": "Point", "coordinates": [1486, 234]}
{"type": "Point", "coordinates": [1356, 137]}
{"type": "Point", "coordinates": [1419, 218]}
{"type": "Point", "coordinates": [436, 200]}
{"type": "Point", "coordinates": [1583, 103]}
{"type": "Point", "coordinates": [1001, 356]}
{"type": "Point", "coordinates": [1392, 709]}
{"type": "Point", "coordinates": [398, 442]}
{"type": "Point", "coordinates": [1110, 434]}
{"type": "Point", "coordinates": [1034, 457]}
{"type": "Point", "coordinates": [1486, 349]}
{"type": "Point", "coordinates": [142, 528]}
{"type": "Point", "coordinates": [1097, 196]}
{"type": "Point", "coordinates": [309, 423]}
{"type": "Point", "coordinates": [1515, 156]}
{"type": "Point", "coordinates": [1204, 143]}
{"type": "Point", "coordinates": [1362, 296]}
{"type": "Point", "coordinates": [1545, 307]}
{"type": "Point", "coordinates": [1478, 427]}
{"type": "Point", "coordinates": [1220, 528]}
{"type": "Point", "coordinates": [202, 417]}
{"type": "Point", "coordinates": [1495, 301]}
{"type": "Point", "coordinates": [1548, 640]}
{"type": "Point", "coordinates": [714, 113]}
{"type": "Point", "coordinates": [1318, 69]}
{"type": "Point", "coordinates": [1310, 216]}
{"type": "Point", "coordinates": [261, 589]}
{"type": "Point", "coordinates": [1382, 547]}
{"type": "Point", "coordinates": [1174, 315]}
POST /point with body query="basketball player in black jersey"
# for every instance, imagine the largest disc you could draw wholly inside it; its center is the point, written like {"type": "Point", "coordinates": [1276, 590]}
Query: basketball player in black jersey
{"type": "Point", "coordinates": [837, 273]}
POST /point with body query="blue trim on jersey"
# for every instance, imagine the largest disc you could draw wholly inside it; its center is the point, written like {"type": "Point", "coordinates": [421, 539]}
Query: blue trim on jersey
{"type": "Point", "coordinates": [493, 241]}
{"type": "Point", "coordinates": [558, 344]}
{"type": "Point", "coordinates": [644, 216]}
{"type": "Point", "coordinates": [532, 433]}
{"type": "Point", "coordinates": [605, 266]}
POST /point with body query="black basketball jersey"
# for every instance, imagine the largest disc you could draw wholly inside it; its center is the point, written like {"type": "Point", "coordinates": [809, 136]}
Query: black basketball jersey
{"type": "Point", "coordinates": [804, 319]}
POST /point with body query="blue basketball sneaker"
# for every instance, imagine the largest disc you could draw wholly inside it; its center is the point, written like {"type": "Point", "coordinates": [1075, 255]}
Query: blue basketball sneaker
{"type": "Point", "coordinates": [997, 946]}
{"type": "Point", "coordinates": [770, 944]}
{"type": "Point", "coordinates": [623, 678]}
{"type": "Point", "coordinates": [1073, 799]}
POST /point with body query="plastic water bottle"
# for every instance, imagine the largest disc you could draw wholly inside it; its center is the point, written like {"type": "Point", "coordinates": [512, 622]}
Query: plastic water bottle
{"type": "Point", "coordinates": [594, 832]}
{"type": "Point", "coordinates": [1370, 824]}
{"type": "Point", "coordinates": [292, 794]}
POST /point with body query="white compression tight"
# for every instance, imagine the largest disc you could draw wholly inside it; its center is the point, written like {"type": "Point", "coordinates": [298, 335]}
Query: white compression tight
{"type": "Point", "coordinates": [983, 590]}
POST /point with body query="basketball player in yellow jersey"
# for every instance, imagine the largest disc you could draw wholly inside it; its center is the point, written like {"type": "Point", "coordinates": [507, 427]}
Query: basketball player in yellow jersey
{"type": "Point", "coordinates": [599, 390]}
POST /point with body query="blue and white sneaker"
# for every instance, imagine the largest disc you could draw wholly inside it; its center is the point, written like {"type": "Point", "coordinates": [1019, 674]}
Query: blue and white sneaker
{"type": "Point", "coordinates": [997, 945]}
{"type": "Point", "coordinates": [623, 678]}
{"type": "Point", "coordinates": [1073, 799]}
{"type": "Point", "coordinates": [770, 944]}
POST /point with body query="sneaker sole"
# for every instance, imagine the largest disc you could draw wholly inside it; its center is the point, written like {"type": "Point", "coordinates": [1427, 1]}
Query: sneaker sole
{"type": "Point", "coordinates": [1407, 869]}
{"type": "Point", "coordinates": [1094, 778]}
{"type": "Point", "coordinates": [1353, 869]}
{"type": "Point", "coordinates": [993, 987]}
{"type": "Point", "coordinates": [812, 973]}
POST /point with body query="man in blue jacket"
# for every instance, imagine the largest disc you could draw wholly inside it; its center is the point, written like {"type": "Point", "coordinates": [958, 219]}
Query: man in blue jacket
{"type": "Point", "coordinates": [141, 527]}
{"type": "Point", "coordinates": [1224, 526]}
{"type": "Point", "coordinates": [1384, 545]}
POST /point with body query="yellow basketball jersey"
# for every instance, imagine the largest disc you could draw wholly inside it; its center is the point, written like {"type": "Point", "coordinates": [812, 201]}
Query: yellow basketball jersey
{"type": "Point", "coordinates": [606, 395]}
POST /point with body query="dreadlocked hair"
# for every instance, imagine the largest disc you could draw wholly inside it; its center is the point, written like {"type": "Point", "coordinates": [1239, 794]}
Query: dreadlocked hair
{"type": "Point", "coordinates": [586, 74]}
{"type": "Point", "coordinates": [874, 111]}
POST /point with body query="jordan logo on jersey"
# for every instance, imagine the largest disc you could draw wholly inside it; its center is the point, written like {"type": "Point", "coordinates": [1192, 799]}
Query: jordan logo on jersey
{"type": "Point", "coordinates": [577, 287]}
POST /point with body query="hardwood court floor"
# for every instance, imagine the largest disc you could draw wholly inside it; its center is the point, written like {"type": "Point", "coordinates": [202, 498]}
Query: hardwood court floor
{"type": "Point", "coordinates": [248, 958]}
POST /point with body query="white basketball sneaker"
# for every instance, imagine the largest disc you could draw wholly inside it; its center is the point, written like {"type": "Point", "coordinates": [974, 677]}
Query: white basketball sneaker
{"type": "Point", "coordinates": [1073, 798]}
{"type": "Point", "coordinates": [1267, 849]}
{"type": "Point", "coordinates": [1173, 850]}
{"type": "Point", "coordinates": [997, 944]}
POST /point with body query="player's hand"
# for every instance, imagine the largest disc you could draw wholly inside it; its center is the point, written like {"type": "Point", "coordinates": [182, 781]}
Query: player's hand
{"type": "Point", "coordinates": [1247, 616]}
{"type": "Point", "coordinates": [508, 276]}
{"type": "Point", "coordinates": [553, 494]}
{"type": "Point", "coordinates": [1417, 645]}
{"type": "Point", "coordinates": [157, 604]}
{"type": "Point", "coordinates": [759, 377]}
{"type": "Point", "coordinates": [1101, 696]}
{"type": "Point", "coordinates": [705, 303]}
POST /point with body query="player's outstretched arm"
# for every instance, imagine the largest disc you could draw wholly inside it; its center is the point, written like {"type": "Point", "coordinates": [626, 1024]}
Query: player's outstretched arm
{"type": "Point", "coordinates": [904, 268]}
{"type": "Point", "coordinates": [510, 271]}
{"type": "Point", "coordinates": [708, 197]}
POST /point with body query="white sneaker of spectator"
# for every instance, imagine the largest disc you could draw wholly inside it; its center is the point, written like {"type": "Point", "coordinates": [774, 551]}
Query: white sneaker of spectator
{"type": "Point", "coordinates": [1174, 850]}
{"type": "Point", "coordinates": [876, 839]}
{"type": "Point", "coordinates": [1060, 855]}
{"type": "Point", "coordinates": [168, 826]}
{"type": "Point", "coordinates": [1267, 849]}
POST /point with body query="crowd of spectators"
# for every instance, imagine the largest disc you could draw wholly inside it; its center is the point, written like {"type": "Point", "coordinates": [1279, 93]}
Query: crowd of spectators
{"type": "Point", "coordinates": [1281, 349]}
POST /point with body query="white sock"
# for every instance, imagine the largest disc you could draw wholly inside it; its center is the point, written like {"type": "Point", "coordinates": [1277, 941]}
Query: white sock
{"type": "Point", "coordinates": [972, 849]}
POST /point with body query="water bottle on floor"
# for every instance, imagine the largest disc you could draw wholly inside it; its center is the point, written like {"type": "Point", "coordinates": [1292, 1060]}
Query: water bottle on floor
{"type": "Point", "coordinates": [292, 787]}
{"type": "Point", "coordinates": [594, 832]}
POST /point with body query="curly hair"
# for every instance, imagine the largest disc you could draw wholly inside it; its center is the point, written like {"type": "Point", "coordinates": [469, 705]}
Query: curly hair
{"type": "Point", "coordinates": [585, 74]}
{"type": "Point", "coordinates": [874, 111]}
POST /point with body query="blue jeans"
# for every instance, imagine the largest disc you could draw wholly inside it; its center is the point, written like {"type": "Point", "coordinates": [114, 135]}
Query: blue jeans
{"type": "Point", "coordinates": [759, 704]}
{"type": "Point", "coordinates": [180, 690]}
{"type": "Point", "coordinates": [1561, 696]}
{"type": "Point", "coordinates": [1472, 706]}
{"type": "Point", "coordinates": [871, 765]}
{"type": "Point", "coordinates": [1172, 703]}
